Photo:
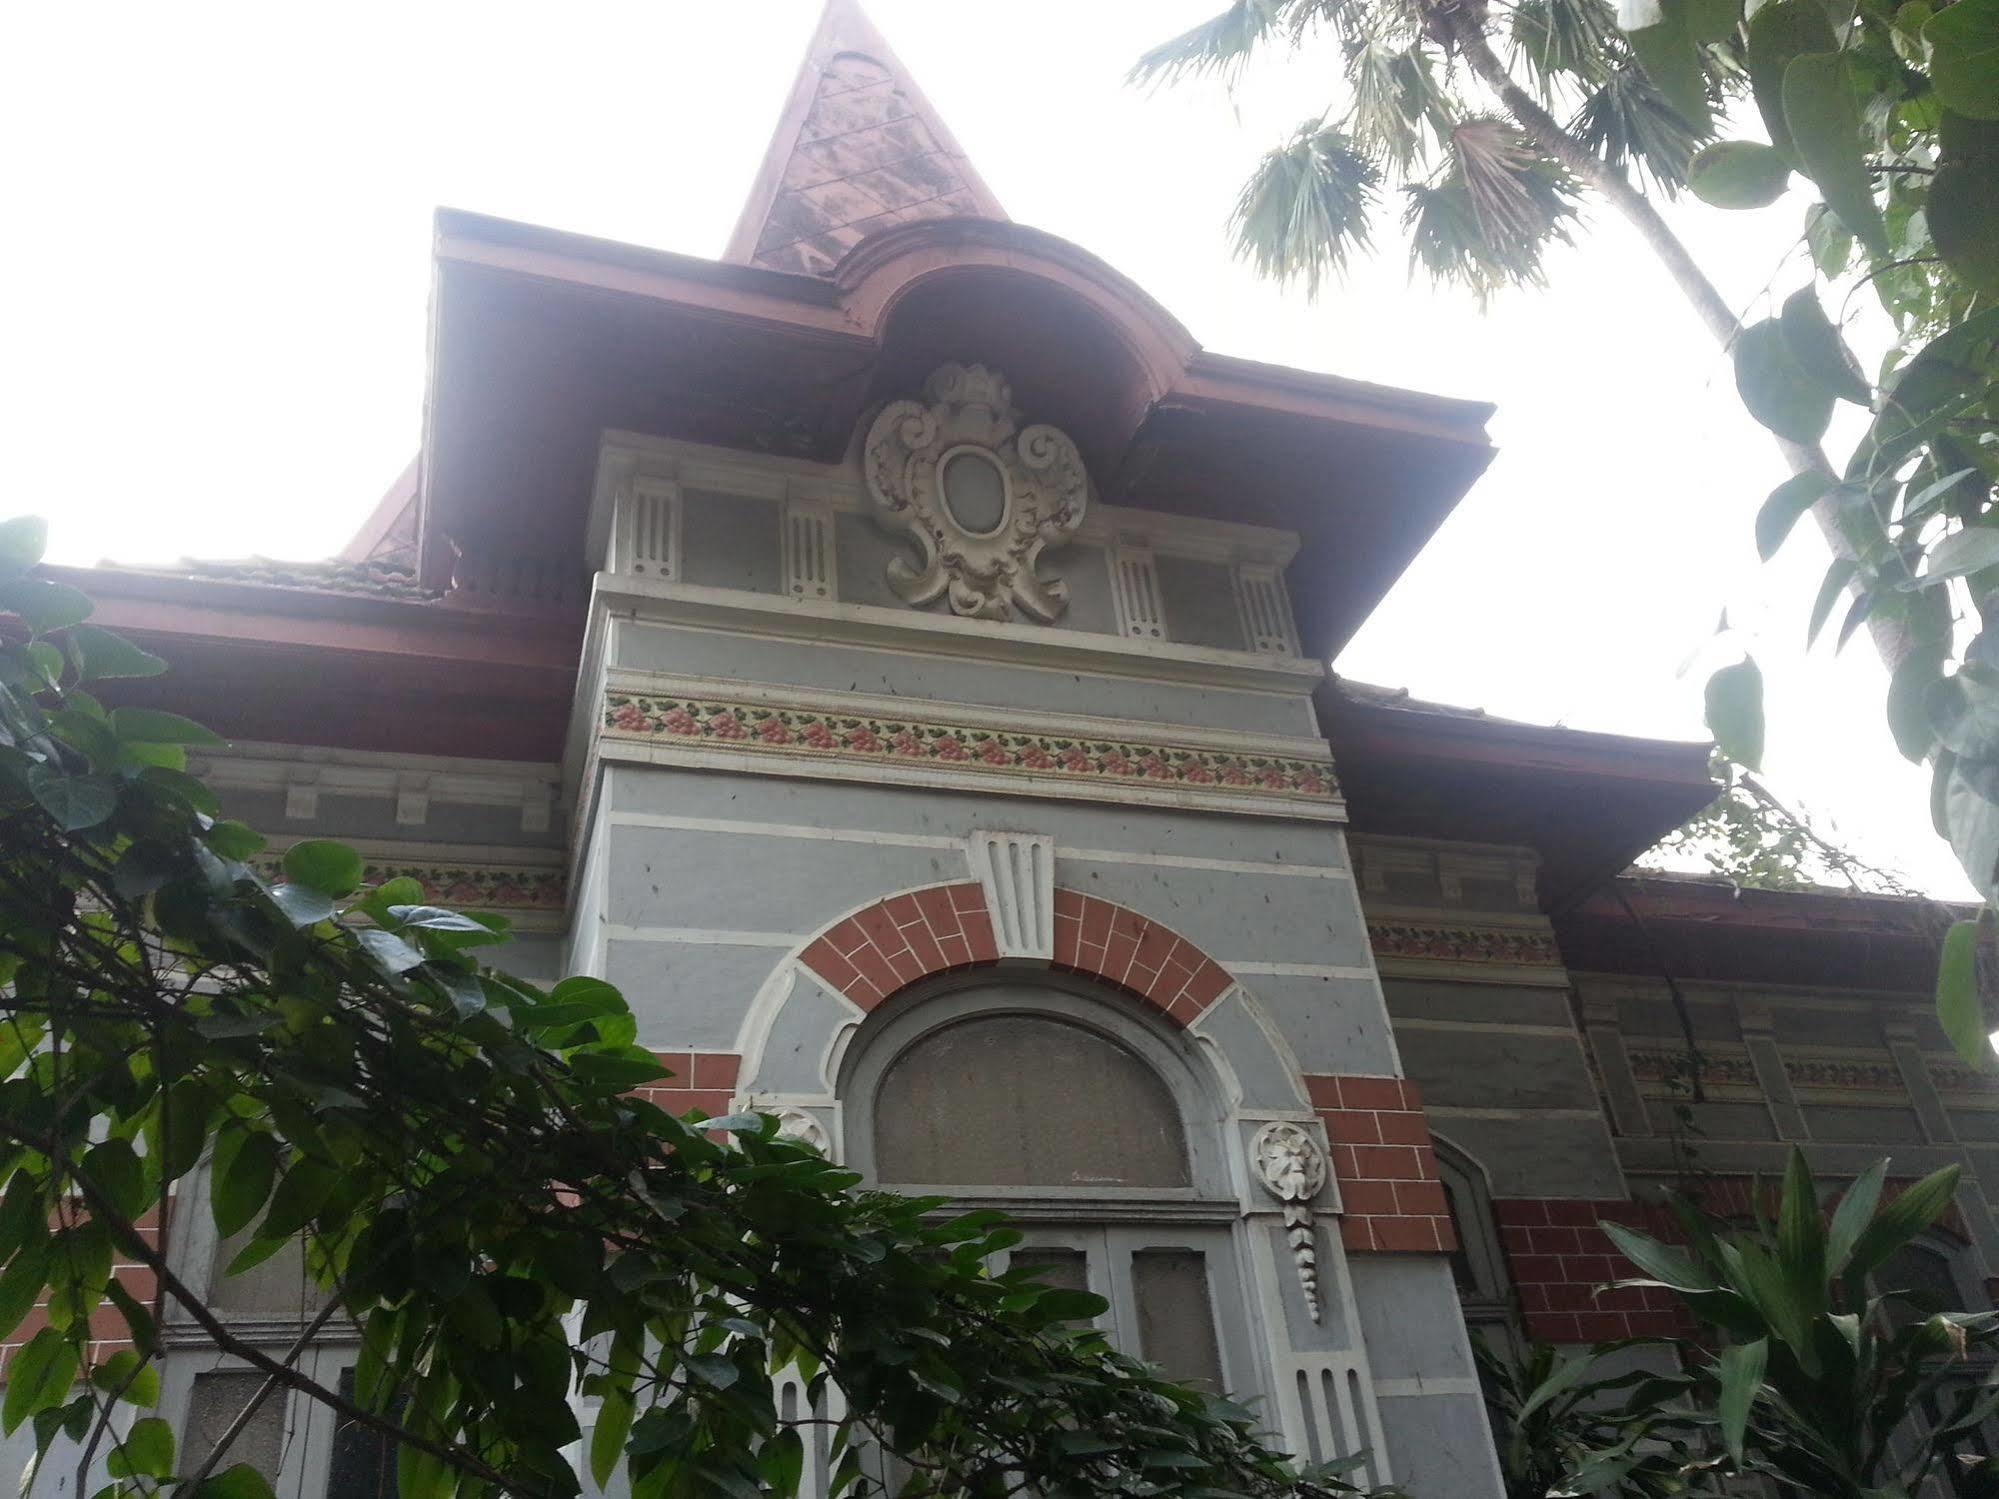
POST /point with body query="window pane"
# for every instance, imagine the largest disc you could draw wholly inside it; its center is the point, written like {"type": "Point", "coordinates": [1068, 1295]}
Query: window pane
{"type": "Point", "coordinates": [1025, 1101]}
{"type": "Point", "coordinates": [214, 1402]}
{"type": "Point", "coordinates": [1065, 1269]}
{"type": "Point", "coordinates": [363, 1464]}
{"type": "Point", "coordinates": [1176, 1315]}
{"type": "Point", "coordinates": [277, 1287]}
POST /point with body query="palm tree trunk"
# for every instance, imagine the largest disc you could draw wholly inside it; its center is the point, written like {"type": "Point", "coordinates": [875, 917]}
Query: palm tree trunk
{"type": "Point", "coordinates": [1467, 32]}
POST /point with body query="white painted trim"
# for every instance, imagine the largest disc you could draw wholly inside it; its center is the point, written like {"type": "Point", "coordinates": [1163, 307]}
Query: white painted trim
{"type": "Point", "coordinates": [1480, 1027]}
{"type": "Point", "coordinates": [306, 772]}
{"type": "Point", "coordinates": [1190, 861]}
{"type": "Point", "coordinates": [667, 749]}
{"type": "Point", "coordinates": [694, 936]}
{"type": "Point", "coordinates": [1435, 1384]}
{"type": "Point", "coordinates": [1298, 970]}
{"type": "Point", "coordinates": [912, 631]}
{"type": "Point", "coordinates": [1017, 873]}
{"type": "Point", "coordinates": [737, 829]}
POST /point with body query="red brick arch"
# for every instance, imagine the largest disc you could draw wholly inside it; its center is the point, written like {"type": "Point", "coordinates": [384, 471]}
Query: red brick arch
{"type": "Point", "coordinates": [885, 947]}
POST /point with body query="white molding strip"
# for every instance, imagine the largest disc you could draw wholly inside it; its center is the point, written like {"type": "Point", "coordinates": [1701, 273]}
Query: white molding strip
{"type": "Point", "coordinates": [695, 936]}
{"type": "Point", "coordinates": [1299, 970]}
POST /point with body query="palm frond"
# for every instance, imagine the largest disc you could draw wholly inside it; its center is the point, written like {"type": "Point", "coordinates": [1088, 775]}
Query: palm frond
{"type": "Point", "coordinates": [1395, 93]}
{"type": "Point", "coordinates": [1306, 207]}
{"type": "Point", "coordinates": [1627, 121]}
{"type": "Point", "coordinates": [1489, 220]}
{"type": "Point", "coordinates": [1221, 44]}
{"type": "Point", "coordinates": [1558, 40]}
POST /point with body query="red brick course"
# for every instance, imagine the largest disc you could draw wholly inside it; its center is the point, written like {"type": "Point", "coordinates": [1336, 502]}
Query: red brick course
{"type": "Point", "coordinates": [875, 952]}
{"type": "Point", "coordinates": [107, 1323]}
{"type": "Point", "coordinates": [1390, 1197]}
{"type": "Point", "coordinates": [1559, 1259]}
{"type": "Point", "coordinates": [704, 1080]}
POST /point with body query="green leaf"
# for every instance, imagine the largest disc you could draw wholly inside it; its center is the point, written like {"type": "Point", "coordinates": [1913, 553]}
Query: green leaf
{"type": "Point", "coordinates": [1671, 57]}
{"type": "Point", "coordinates": [1964, 57]}
{"type": "Point", "coordinates": [1972, 821]}
{"type": "Point", "coordinates": [100, 654]}
{"type": "Point", "coordinates": [325, 865]}
{"type": "Point", "coordinates": [1908, 697]}
{"type": "Point", "coordinates": [783, 1461]}
{"type": "Point", "coordinates": [23, 540]}
{"type": "Point", "coordinates": [1962, 208]}
{"type": "Point", "coordinates": [607, 1440]}
{"type": "Point", "coordinates": [153, 726]}
{"type": "Point", "coordinates": [1779, 32]}
{"type": "Point", "coordinates": [388, 951]}
{"type": "Point", "coordinates": [1665, 1263]}
{"type": "Point", "coordinates": [229, 839]}
{"type": "Point", "coordinates": [245, 1166]}
{"type": "Point", "coordinates": [614, 1074]}
{"type": "Point", "coordinates": [38, 1376]}
{"type": "Point", "coordinates": [1824, 120]}
{"type": "Point", "coordinates": [1854, 1213]}
{"type": "Point", "coordinates": [1962, 553]}
{"type": "Point", "coordinates": [301, 1193]}
{"type": "Point", "coordinates": [114, 1169]}
{"type": "Point", "coordinates": [1959, 1009]}
{"type": "Point", "coordinates": [75, 802]}
{"type": "Point", "coordinates": [1837, 576]}
{"type": "Point", "coordinates": [148, 1448]}
{"type": "Point", "coordinates": [435, 918]}
{"type": "Point", "coordinates": [127, 1377]}
{"type": "Point", "coordinates": [43, 605]}
{"type": "Point", "coordinates": [1735, 712]}
{"type": "Point", "coordinates": [1775, 387]}
{"type": "Point", "coordinates": [1741, 1377]}
{"type": "Point", "coordinates": [1901, 1220]}
{"type": "Point", "coordinates": [240, 1481]}
{"type": "Point", "coordinates": [1819, 350]}
{"type": "Point", "coordinates": [1781, 510]}
{"type": "Point", "coordinates": [302, 904]}
{"type": "Point", "coordinates": [1738, 174]}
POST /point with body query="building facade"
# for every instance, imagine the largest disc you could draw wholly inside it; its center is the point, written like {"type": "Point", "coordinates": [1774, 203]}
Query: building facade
{"type": "Point", "coordinates": [894, 656]}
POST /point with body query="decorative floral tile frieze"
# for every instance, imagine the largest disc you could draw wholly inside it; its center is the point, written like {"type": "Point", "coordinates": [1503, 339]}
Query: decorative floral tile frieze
{"type": "Point", "coordinates": [468, 887]}
{"type": "Point", "coordinates": [841, 736]}
{"type": "Point", "coordinates": [1721, 1066]}
{"type": "Point", "coordinates": [1462, 944]}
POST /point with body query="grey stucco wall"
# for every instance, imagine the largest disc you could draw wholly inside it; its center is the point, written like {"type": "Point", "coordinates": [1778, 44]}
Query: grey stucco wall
{"type": "Point", "coordinates": [696, 918]}
{"type": "Point", "coordinates": [1504, 1073]}
{"type": "Point", "coordinates": [931, 679]}
{"type": "Point", "coordinates": [1438, 1441]}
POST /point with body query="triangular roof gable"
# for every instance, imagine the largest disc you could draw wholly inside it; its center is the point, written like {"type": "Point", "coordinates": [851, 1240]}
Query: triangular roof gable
{"type": "Point", "coordinates": [857, 149]}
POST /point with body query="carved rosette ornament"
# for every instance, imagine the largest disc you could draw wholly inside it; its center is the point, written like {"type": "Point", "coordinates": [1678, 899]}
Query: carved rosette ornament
{"type": "Point", "coordinates": [980, 501]}
{"type": "Point", "coordinates": [1292, 1168]}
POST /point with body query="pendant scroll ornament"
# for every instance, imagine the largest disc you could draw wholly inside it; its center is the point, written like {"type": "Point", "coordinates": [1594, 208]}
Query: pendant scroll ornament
{"type": "Point", "coordinates": [979, 500]}
{"type": "Point", "coordinates": [1292, 1168]}
{"type": "Point", "coordinates": [796, 1124]}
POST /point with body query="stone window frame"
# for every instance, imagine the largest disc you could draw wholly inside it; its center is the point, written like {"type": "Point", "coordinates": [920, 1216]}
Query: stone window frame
{"type": "Point", "coordinates": [1207, 1214]}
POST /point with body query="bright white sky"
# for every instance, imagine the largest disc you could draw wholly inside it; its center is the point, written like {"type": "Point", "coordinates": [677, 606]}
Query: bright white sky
{"type": "Point", "coordinates": [213, 285]}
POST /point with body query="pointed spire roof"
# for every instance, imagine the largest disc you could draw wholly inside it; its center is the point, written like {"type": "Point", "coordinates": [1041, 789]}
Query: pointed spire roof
{"type": "Point", "coordinates": [857, 149]}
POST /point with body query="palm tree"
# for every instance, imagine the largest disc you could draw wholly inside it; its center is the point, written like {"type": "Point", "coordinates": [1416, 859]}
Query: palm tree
{"type": "Point", "coordinates": [1490, 178]}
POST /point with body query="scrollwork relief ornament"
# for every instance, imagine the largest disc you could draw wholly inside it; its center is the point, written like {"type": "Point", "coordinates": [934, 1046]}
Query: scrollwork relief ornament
{"type": "Point", "coordinates": [1292, 1168]}
{"type": "Point", "coordinates": [980, 500]}
{"type": "Point", "coordinates": [796, 1124]}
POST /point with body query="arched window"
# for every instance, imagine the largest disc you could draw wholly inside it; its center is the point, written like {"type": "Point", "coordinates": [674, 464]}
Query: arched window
{"type": "Point", "coordinates": [1478, 1265]}
{"type": "Point", "coordinates": [1096, 1128]}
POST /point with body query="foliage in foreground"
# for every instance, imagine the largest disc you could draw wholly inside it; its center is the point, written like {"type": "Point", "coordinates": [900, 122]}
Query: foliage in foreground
{"type": "Point", "coordinates": [493, 1212]}
{"type": "Point", "coordinates": [1806, 1375]}
{"type": "Point", "coordinates": [1888, 110]}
